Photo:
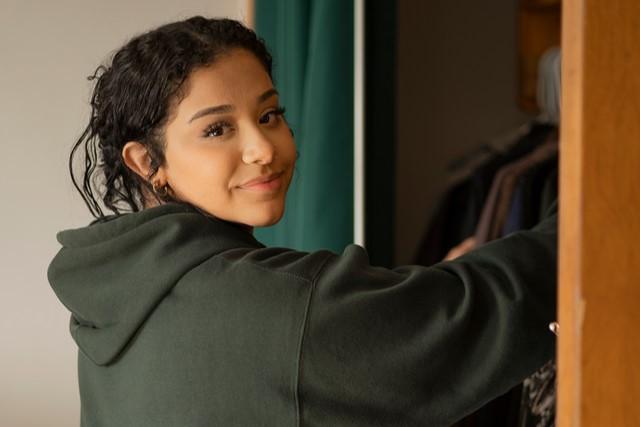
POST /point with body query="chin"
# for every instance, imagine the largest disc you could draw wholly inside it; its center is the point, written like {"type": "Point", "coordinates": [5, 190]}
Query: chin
{"type": "Point", "coordinates": [266, 218]}
{"type": "Point", "coordinates": [266, 222]}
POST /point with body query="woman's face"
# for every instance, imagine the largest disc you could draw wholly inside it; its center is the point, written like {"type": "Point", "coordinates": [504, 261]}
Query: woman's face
{"type": "Point", "coordinates": [228, 131]}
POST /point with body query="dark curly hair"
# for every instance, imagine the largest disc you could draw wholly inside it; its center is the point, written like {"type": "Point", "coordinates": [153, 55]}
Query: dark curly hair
{"type": "Point", "coordinates": [132, 100]}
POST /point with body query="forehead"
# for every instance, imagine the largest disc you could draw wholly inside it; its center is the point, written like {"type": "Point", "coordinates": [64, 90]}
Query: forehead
{"type": "Point", "coordinates": [235, 76]}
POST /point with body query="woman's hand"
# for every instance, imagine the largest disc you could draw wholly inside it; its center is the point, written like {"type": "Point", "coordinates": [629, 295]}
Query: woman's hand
{"type": "Point", "coordinates": [467, 244]}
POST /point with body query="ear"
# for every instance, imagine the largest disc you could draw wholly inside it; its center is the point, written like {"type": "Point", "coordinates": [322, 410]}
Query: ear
{"type": "Point", "coordinates": [136, 157]}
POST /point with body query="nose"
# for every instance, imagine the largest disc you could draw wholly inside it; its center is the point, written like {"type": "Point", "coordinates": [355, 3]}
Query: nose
{"type": "Point", "coordinates": [257, 148]}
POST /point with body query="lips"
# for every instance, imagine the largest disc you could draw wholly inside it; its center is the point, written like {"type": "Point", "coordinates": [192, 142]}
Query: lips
{"type": "Point", "coordinates": [261, 180]}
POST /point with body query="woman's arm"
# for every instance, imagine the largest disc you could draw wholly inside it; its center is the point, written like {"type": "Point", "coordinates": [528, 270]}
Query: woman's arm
{"type": "Point", "coordinates": [415, 345]}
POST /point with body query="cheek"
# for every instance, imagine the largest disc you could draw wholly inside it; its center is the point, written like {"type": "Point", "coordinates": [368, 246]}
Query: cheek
{"type": "Point", "coordinates": [201, 170]}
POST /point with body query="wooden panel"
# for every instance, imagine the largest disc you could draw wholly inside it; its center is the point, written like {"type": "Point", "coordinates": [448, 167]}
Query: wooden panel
{"type": "Point", "coordinates": [599, 287]}
{"type": "Point", "coordinates": [538, 30]}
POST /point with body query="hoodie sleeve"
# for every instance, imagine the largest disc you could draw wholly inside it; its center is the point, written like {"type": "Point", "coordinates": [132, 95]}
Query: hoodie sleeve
{"type": "Point", "coordinates": [425, 346]}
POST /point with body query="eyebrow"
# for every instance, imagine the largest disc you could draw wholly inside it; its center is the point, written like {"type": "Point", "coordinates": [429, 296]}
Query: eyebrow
{"type": "Point", "coordinates": [226, 108]}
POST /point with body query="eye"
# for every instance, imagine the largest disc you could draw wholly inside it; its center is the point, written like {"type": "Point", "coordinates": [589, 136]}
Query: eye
{"type": "Point", "coordinates": [267, 118]}
{"type": "Point", "coordinates": [217, 129]}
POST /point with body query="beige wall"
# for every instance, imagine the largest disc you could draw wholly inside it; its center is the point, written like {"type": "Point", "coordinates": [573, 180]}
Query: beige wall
{"type": "Point", "coordinates": [47, 48]}
{"type": "Point", "coordinates": [456, 82]}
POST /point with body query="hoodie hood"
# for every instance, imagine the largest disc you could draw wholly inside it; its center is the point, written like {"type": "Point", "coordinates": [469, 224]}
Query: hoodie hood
{"type": "Point", "coordinates": [112, 273]}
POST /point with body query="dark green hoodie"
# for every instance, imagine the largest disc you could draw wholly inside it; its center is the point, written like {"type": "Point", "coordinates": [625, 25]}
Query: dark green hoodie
{"type": "Point", "coordinates": [187, 320]}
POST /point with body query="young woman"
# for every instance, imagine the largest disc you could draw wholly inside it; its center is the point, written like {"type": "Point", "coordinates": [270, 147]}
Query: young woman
{"type": "Point", "coordinates": [183, 318]}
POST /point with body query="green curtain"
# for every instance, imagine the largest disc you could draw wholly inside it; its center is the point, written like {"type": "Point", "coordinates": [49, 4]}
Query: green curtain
{"type": "Point", "coordinates": [312, 47]}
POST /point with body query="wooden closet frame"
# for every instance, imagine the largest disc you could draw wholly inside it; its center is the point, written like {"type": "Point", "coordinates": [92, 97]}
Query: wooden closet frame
{"type": "Point", "coordinates": [599, 278]}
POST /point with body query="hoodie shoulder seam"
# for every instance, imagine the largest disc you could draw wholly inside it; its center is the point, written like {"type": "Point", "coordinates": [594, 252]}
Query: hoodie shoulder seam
{"type": "Point", "coordinates": [302, 334]}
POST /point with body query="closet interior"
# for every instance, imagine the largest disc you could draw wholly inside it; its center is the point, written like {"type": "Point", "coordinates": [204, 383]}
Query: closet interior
{"type": "Point", "coordinates": [462, 112]}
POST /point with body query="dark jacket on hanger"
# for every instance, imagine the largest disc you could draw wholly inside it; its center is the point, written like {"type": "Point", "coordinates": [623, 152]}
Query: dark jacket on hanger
{"type": "Point", "coordinates": [458, 212]}
{"type": "Point", "coordinates": [496, 209]}
{"type": "Point", "coordinates": [182, 319]}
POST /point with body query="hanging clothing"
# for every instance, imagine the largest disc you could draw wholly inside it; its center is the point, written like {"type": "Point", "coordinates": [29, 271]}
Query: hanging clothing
{"type": "Point", "coordinates": [516, 211]}
{"type": "Point", "coordinates": [184, 319]}
{"type": "Point", "coordinates": [459, 209]}
{"type": "Point", "coordinates": [537, 188]}
{"type": "Point", "coordinates": [496, 208]}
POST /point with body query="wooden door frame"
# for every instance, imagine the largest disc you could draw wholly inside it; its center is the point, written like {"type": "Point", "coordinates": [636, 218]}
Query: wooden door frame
{"type": "Point", "coordinates": [599, 279]}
